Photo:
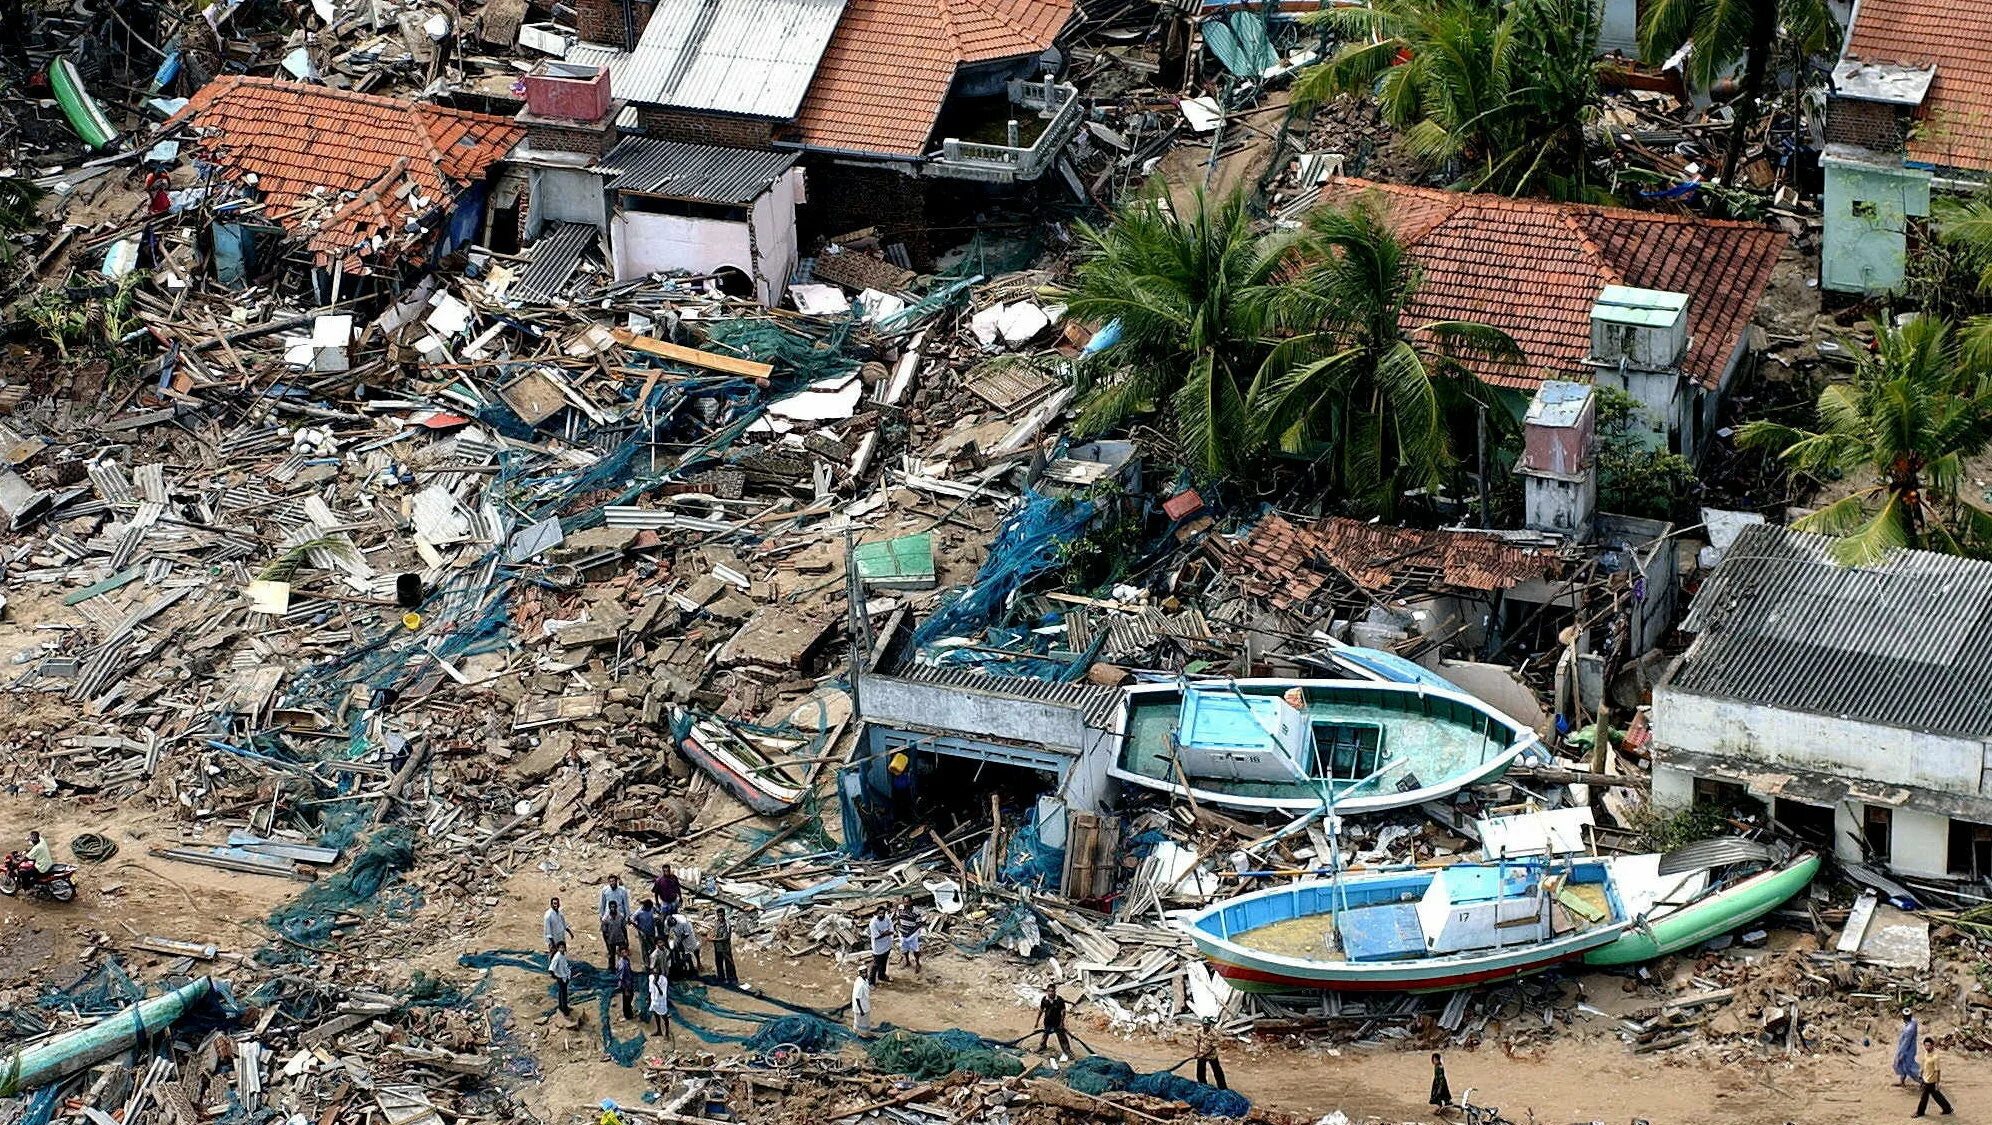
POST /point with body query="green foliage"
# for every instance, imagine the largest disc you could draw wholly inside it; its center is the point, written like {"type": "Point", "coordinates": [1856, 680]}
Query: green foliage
{"type": "Point", "coordinates": [1109, 548]}
{"type": "Point", "coordinates": [1918, 405]}
{"type": "Point", "coordinates": [1635, 479]}
{"type": "Point", "coordinates": [1190, 294]}
{"type": "Point", "coordinates": [60, 320]}
{"type": "Point", "coordinates": [1502, 90]}
{"type": "Point", "coordinates": [1663, 832]}
{"type": "Point", "coordinates": [1295, 344]}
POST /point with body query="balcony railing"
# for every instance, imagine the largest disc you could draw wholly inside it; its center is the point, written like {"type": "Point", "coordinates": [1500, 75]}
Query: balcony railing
{"type": "Point", "coordinates": [970, 160]}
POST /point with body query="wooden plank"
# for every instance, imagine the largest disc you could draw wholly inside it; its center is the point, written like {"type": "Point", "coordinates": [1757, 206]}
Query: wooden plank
{"type": "Point", "coordinates": [710, 361]}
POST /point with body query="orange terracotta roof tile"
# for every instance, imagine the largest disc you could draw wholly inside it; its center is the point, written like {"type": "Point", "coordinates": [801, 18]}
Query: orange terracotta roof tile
{"type": "Point", "coordinates": [1534, 269]}
{"type": "Point", "coordinates": [1289, 563]}
{"type": "Point", "coordinates": [888, 68]}
{"type": "Point", "coordinates": [303, 141]}
{"type": "Point", "coordinates": [1956, 37]}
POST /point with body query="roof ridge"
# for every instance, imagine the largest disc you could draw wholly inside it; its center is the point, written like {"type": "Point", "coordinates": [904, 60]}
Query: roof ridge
{"type": "Point", "coordinates": [1596, 252]}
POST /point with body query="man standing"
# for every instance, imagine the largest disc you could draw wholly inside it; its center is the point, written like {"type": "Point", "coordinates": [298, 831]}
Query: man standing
{"type": "Point", "coordinates": [645, 919]}
{"type": "Point", "coordinates": [554, 927]}
{"type": "Point", "coordinates": [667, 890]}
{"type": "Point", "coordinates": [615, 932]}
{"type": "Point", "coordinates": [660, 1000]}
{"type": "Point", "coordinates": [722, 948]}
{"type": "Point", "coordinates": [613, 896]}
{"type": "Point", "coordinates": [562, 973]}
{"type": "Point", "coordinates": [907, 924]}
{"type": "Point", "coordinates": [1206, 1047]}
{"type": "Point", "coordinates": [1905, 1049]}
{"type": "Point", "coordinates": [684, 947]}
{"type": "Point", "coordinates": [1933, 1073]}
{"type": "Point", "coordinates": [626, 983]}
{"type": "Point", "coordinates": [1051, 1019]}
{"type": "Point", "coordinates": [861, 1005]}
{"type": "Point", "coordinates": [880, 932]}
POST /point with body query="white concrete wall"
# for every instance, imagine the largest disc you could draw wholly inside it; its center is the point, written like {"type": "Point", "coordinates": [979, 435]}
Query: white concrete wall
{"type": "Point", "coordinates": [1919, 843]}
{"type": "Point", "coordinates": [1817, 742]}
{"type": "Point", "coordinates": [1618, 30]}
{"type": "Point", "coordinates": [1672, 788]}
{"type": "Point", "coordinates": [646, 242]}
{"type": "Point", "coordinates": [775, 249]}
{"type": "Point", "coordinates": [970, 713]}
{"type": "Point", "coordinates": [565, 195]}
{"type": "Point", "coordinates": [1847, 832]}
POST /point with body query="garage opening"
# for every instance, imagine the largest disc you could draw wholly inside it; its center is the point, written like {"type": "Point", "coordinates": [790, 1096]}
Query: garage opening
{"type": "Point", "coordinates": [1811, 823]}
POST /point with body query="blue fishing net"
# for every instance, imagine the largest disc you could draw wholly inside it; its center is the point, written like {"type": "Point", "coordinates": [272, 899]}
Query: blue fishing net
{"type": "Point", "coordinates": [811, 1033]}
{"type": "Point", "coordinates": [941, 1053]}
{"type": "Point", "coordinates": [1030, 541]}
{"type": "Point", "coordinates": [100, 991]}
{"type": "Point", "coordinates": [309, 918]}
{"type": "Point", "coordinates": [1098, 1074]}
{"type": "Point", "coordinates": [1030, 862]}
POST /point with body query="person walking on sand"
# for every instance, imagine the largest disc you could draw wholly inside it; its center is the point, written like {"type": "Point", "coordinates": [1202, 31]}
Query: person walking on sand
{"type": "Point", "coordinates": [1932, 1073]}
{"type": "Point", "coordinates": [861, 1005]}
{"type": "Point", "coordinates": [880, 932]}
{"type": "Point", "coordinates": [906, 922]}
{"type": "Point", "coordinates": [660, 1003]}
{"type": "Point", "coordinates": [554, 927]}
{"type": "Point", "coordinates": [1905, 1049]}
{"type": "Point", "coordinates": [562, 973]}
{"type": "Point", "coordinates": [1206, 1046]}
{"type": "Point", "coordinates": [1442, 1093]}
{"type": "Point", "coordinates": [722, 948]}
{"type": "Point", "coordinates": [1051, 1021]}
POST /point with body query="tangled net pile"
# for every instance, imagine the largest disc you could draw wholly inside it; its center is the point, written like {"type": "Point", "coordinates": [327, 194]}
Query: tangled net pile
{"type": "Point", "coordinates": [926, 1057]}
{"type": "Point", "coordinates": [1098, 1074]}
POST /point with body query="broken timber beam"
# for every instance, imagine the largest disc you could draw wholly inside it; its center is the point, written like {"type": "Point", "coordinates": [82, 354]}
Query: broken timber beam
{"type": "Point", "coordinates": [711, 361]}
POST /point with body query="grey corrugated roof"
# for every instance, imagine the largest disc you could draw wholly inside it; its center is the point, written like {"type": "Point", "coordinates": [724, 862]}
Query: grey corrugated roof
{"type": "Point", "coordinates": [753, 57]}
{"type": "Point", "coordinates": [682, 170]}
{"type": "Point", "coordinates": [1906, 644]}
{"type": "Point", "coordinates": [553, 260]}
{"type": "Point", "coordinates": [1094, 701]}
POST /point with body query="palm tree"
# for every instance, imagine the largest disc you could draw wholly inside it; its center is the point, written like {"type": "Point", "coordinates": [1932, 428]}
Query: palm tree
{"type": "Point", "coordinates": [1725, 32]}
{"type": "Point", "coordinates": [1373, 384]}
{"type": "Point", "coordinates": [1916, 408]}
{"type": "Point", "coordinates": [1190, 294]}
{"type": "Point", "coordinates": [1503, 89]}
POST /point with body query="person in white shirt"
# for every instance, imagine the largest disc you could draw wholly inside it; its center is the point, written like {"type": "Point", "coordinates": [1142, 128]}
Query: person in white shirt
{"type": "Point", "coordinates": [561, 972]}
{"type": "Point", "coordinates": [880, 932]}
{"type": "Point", "coordinates": [613, 894]}
{"type": "Point", "coordinates": [554, 927]}
{"type": "Point", "coordinates": [660, 1005]}
{"type": "Point", "coordinates": [861, 1005]}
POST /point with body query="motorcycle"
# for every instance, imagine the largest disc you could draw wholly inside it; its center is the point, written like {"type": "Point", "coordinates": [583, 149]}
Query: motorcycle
{"type": "Point", "coordinates": [17, 874]}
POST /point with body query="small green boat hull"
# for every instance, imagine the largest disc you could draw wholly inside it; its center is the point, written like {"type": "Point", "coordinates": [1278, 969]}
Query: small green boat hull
{"type": "Point", "coordinates": [84, 115]}
{"type": "Point", "coordinates": [1714, 916]}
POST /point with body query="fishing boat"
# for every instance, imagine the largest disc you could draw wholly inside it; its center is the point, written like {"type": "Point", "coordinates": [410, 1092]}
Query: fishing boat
{"type": "Point", "coordinates": [758, 777]}
{"type": "Point", "coordinates": [1698, 892]}
{"type": "Point", "coordinates": [1296, 746]}
{"type": "Point", "coordinates": [1413, 930]}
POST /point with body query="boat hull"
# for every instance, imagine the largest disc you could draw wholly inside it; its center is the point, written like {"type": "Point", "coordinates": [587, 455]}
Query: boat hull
{"type": "Point", "coordinates": [734, 776]}
{"type": "Point", "coordinates": [1720, 913]}
{"type": "Point", "coordinates": [1246, 978]}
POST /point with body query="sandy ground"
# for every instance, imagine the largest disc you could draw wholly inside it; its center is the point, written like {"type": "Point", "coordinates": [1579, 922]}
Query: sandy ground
{"type": "Point", "coordinates": [1585, 1075]}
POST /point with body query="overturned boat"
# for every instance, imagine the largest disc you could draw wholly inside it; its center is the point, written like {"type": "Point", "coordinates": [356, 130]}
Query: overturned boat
{"type": "Point", "coordinates": [757, 772]}
{"type": "Point", "coordinates": [1299, 746]}
{"type": "Point", "coordinates": [1414, 930]}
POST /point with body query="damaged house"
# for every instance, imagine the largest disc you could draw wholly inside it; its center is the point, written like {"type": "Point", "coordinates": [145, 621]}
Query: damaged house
{"type": "Point", "coordinates": [348, 185]}
{"type": "Point", "coordinates": [728, 104]}
{"type": "Point", "coordinates": [1853, 703]}
{"type": "Point", "coordinates": [1909, 110]}
{"type": "Point", "coordinates": [1657, 305]}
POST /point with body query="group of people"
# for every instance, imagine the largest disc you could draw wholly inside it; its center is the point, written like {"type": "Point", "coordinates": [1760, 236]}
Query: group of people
{"type": "Point", "coordinates": [1927, 1074]}
{"type": "Point", "coordinates": [667, 947]}
{"type": "Point", "coordinates": [902, 928]}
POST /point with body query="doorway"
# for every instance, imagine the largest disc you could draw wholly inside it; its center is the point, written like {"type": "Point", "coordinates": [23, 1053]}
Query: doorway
{"type": "Point", "coordinates": [1970, 849]}
{"type": "Point", "coordinates": [1878, 831]}
{"type": "Point", "coordinates": [1810, 823]}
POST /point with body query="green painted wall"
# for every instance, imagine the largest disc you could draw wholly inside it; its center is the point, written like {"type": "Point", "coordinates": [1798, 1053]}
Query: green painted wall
{"type": "Point", "coordinates": [1868, 208]}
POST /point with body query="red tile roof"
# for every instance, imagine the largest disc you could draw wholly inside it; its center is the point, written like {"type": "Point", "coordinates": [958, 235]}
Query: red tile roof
{"type": "Point", "coordinates": [1955, 36]}
{"type": "Point", "coordinates": [1289, 563]}
{"type": "Point", "coordinates": [889, 66]}
{"type": "Point", "coordinates": [296, 138]}
{"type": "Point", "coordinates": [1534, 269]}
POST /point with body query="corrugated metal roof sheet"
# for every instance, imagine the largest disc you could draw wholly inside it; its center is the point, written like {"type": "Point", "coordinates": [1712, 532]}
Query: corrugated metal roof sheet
{"type": "Point", "coordinates": [753, 57]}
{"type": "Point", "coordinates": [1095, 702]}
{"type": "Point", "coordinates": [707, 173]}
{"type": "Point", "coordinates": [554, 258]}
{"type": "Point", "coordinates": [1906, 644]}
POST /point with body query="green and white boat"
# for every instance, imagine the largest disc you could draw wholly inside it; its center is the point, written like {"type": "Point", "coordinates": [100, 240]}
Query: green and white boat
{"type": "Point", "coordinates": [1683, 898]}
